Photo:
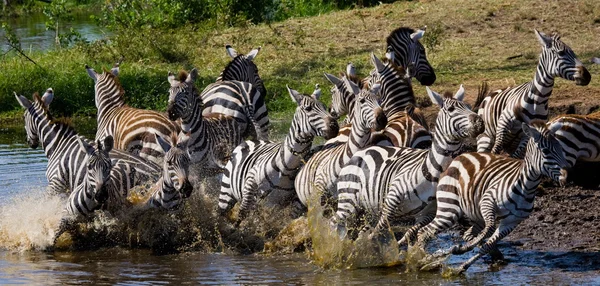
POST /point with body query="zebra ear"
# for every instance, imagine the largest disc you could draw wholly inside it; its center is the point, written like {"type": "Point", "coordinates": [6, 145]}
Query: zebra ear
{"type": "Point", "coordinates": [164, 145]}
{"type": "Point", "coordinates": [109, 142]}
{"type": "Point", "coordinates": [115, 70]}
{"type": "Point", "coordinates": [596, 60]}
{"type": "Point", "coordinates": [192, 76]}
{"type": "Point", "coordinates": [379, 66]}
{"type": "Point", "coordinates": [47, 97]}
{"type": "Point", "coordinates": [23, 101]}
{"type": "Point", "coordinates": [545, 41]}
{"type": "Point", "coordinates": [252, 54]}
{"type": "Point", "coordinates": [296, 96]}
{"type": "Point", "coordinates": [531, 132]}
{"type": "Point", "coordinates": [416, 36]}
{"type": "Point", "coordinates": [333, 79]}
{"type": "Point", "coordinates": [350, 70]}
{"type": "Point", "coordinates": [92, 73]}
{"type": "Point", "coordinates": [87, 147]}
{"type": "Point", "coordinates": [435, 97]}
{"type": "Point", "coordinates": [171, 79]}
{"type": "Point", "coordinates": [316, 95]}
{"type": "Point", "coordinates": [231, 51]}
{"type": "Point", "coordinates": [460, 94]}
{"type": "Point", "coordinates": [350, 85]}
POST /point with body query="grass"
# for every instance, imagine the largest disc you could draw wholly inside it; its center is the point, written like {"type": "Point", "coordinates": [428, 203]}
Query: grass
{"type": "Point", "coordinates": [473, 40]}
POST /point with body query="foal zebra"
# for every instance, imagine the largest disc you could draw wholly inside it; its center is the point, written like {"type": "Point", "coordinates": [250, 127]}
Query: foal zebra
{"type": "Point", "coordinates": [321, 170]}
{"type": "Point", "coordinates": [65, 168]}
{"type": "Point", "coordinates": [90, 194]}
{"type": "Point", "coordinates": [133, 129]}
{"type": "Point", "coordinates": [404, 42]}
{"type": "Point", "coordinates": [269, 167]}
{"type": "Point", "coordinates": [494, 192]}
{"type": "Point", "coordinates": [409, 174]}
{"type": "Point", "coordinates": [504, 111]}
{"type": "Point", "coordinates": [239, 92]}
{"type": "Point", "coordinates": [213, 137]}
{"type": "Point", "coordinates": [173, 187]}
{"type": "Point", "coordinates": [579, 136]}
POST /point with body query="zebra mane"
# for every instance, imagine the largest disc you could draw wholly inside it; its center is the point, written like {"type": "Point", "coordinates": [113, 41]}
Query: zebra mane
{"type": "Point", "coordinates": [399, 31]}
{"type": "Point", "coordinates": [64, 121]}
{"type": "Point", "coordinates": [399, 69]}
{"type": "Point", "coordinates": [38, 99]}
{"type": "Point", "coordinates": [538, 124]}
{"type": "Point", "coordinates": [116, 80]}
{"type": "Point", "coordinates": [182, 76]}
{"type": "Point", "coordinates": [229, 65]}
{"type": "Point", "coordinates": [481, 94]}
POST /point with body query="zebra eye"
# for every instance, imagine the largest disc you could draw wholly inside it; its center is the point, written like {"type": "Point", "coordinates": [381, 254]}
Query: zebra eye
{"type": "Point", "coordinates": [308, 108]}
{"type": "Point", "coordinates": [451, 108]}
{"type": "Point", "coordinates": [561, 53]}
{"type": "Point", "coordinates": [362, 100]}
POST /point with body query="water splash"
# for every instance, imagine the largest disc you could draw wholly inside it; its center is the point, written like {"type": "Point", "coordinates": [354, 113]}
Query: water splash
{"type": "Point", "coordinates": [29, 221]}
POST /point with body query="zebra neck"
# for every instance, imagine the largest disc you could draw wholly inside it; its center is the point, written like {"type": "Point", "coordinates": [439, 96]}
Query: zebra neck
{"type": "Point", "coordinates": [109, 98]}
{"type": "Point", "coordinates": [295, 146]}
{"type": "Point", "coordinates": [360, 136]}
{"type": "Point", "coordinates": [396, 95]}
{"type": "Point", "coordinates": [52, 135]}
{"type": "Point", "coordinates": [531, 173]}
{"type": "Point", "coordinates": [535, 102]}
{"type": "Point", "coordinates": [193, 121]}
{"type": "Point", "coordinates": [439, 156]}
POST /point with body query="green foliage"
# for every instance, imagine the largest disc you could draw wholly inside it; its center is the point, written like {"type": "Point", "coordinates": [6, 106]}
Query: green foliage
{"type": "Point", "coordinates": [433, 36]}
{"type": "Point", "coordinates": [58, 14]}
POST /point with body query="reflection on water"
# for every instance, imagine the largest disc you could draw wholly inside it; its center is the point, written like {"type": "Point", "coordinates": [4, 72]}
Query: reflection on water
{"type": "Point", "coordinates": [27, 220]}
{"type": "Point", "coordinates": [31, 30]}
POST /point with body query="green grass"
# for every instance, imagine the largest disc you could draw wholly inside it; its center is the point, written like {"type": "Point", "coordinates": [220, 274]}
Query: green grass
{"type": "Point", "coordinates": [470, 43]}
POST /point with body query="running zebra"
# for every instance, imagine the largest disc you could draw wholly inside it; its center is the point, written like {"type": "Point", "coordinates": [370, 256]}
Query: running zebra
{"type": "Point", "coordinates": [173, 187]}
{"type": "Point", "coordinates": [494, 192]}
{"type": "Point", "coordinates": [504, 111]}
{"type": "Point", "coordinates": [133, 129]}
{"type": "Point", "coordinates": [213, 137]}
{"type": "Point", "coordinates": [88, 196]}
{"type": "Point", "coordinates": [579, 136]}
{"type": "Point", "coordinates": [270, 168]}
{"type": "Point", "coordinates": [409, 174]}
{"type": "Point", "coordinates": [321, 170]}
{"type": "Point", "coordinates": [404, 42]}
{"type": "Point", "coordinates": [239, 92]}
{"type": "Point", "coordinates": [59, 140]}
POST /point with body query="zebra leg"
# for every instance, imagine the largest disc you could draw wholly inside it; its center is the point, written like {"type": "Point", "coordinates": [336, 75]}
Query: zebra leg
{"type": "Point", "coordinates": [423, 218]}
{"type": "Point", "coordinates": [488, 211]}
{"type": "Point", "coordinates": [249, 193]}
{"type": "Point", "coordinates": [390, 206]}
{"type": "Point", "coordinates": [505, 227]}
{"type": "Point", "coordinates": [66, 224]}
{"type": "Point", "coordinates": [349, 186]}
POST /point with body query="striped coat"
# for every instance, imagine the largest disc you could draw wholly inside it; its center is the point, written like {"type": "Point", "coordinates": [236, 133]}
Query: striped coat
{"type": "Point", "coordinates": [579, 136]}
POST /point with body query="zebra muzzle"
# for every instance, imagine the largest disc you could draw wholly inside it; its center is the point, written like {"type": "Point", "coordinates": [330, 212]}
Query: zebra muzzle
{"type": "Point", "coordinates": [562, 179]}
{"type": "Point", "coordinates": [380, 120]}
{"type": "Point", "coordinates": [582, 76]}
{"type": "Point", "coordinates": [186, 189]}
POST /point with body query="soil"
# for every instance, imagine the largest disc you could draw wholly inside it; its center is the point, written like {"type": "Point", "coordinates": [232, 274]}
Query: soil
{"type": "Point", "coordinates": [564, 219]}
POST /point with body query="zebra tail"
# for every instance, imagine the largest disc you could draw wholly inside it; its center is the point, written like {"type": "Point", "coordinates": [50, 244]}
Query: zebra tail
{"type": "Point", "coordinates": [258, 132]}
{"type": "Point", "coordinates": [482, 92]}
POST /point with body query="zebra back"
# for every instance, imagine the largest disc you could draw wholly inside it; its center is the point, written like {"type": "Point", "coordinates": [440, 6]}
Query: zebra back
{"type": "Point", "coordinates": [579, 136]}
{"type": "Point", "coordinates": [242, 68]}
{"type": "Point", "coordinates": [132, 128]}
{"type": "Point", "coordinates": [404, 42]}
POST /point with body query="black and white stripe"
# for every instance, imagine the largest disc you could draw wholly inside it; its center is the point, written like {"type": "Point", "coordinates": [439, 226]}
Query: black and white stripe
{"type": "Point", "coordinates": [214, 136]}
{"type": "Point", "coordinates": [579, 136]}
{"type": "Point", "coordinates": [494, 192]}
{"type": "Point", "coordinates": [271, 167]}
{"type": "Point", "coordinates": [404, 42]}
{"type": "Point", "coordinates": [504, 111]}
{"type": "Point", "coordinates": [409, 174]}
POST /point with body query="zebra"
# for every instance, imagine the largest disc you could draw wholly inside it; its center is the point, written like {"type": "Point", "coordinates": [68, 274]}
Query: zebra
{"type": "Point", "coordinates": [270, 167]}
{"type": "Point", "coordinates": [321, 170]}
{"type": "Point", "coordinates": [65, 169]}
{"type": "Point", "coordinates": [213, 137]}
{"type": "Point", "coordinates": [409, 174]}
{"type": "Point", "coordinates": [404, 42]}
{"type": "Point", "coordinates": [504, 110]}
{"type": "Point", "coordinates": [92, 192]}
{"type": "Point", "coordinates": [494, 192]}
{"type": "Point", "coordinates": [239, 92]}
{"type": "Point", "coordinates": [173, 187]}
{"type": "Point", "coordinates": [133, 129]}
{"type": "Point", "coordinates": [342, 96]}
{"type": "Point", "coordinates": [579, 136]}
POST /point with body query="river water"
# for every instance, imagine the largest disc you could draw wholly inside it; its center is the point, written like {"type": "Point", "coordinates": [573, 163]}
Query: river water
{"type": "Point", "coordinates": [26, 216]}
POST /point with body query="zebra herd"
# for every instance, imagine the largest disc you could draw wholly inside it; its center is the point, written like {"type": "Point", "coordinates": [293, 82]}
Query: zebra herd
{"type": "Point", "coordinates": [382, 166]}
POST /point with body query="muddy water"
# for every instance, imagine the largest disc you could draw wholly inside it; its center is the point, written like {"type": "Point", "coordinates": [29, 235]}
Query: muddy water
{"type": "Point", "coordinates": [114, 250]}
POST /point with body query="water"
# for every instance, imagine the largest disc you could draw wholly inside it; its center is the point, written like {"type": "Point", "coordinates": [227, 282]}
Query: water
{"type": "Point", "coordinates": [31, 30]}
{"type": "Point", "coordinates": [27, 219]}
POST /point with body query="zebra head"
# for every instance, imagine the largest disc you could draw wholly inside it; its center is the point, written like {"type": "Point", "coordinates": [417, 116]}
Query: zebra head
{"type": "Point", "coordinates": [311, 117]}
{"type": "Point", "coordinates": [242, 68]}
{"type": "Point", "coordinates": [404, 42]}
{"type": "Point", "coordinates": [176, 163]}
{"type": "Point", "coordinates": [545, 152]}
{"type": "Point", "coordinates": [396, 88]}
{"type": "Point", "coordinates": [455, 120]}
{"type": "Point", "coordinates": [341, 96]}
{"type": "Point", "coordinates": [367, 113]}
{"type": "Point", "coordinates": [98, 167]}
{"type": "Point", "coordinates": [33, 112]}
{"type": "Point", "coordinates": [559, 60]}
{"type": "Point", "coordinates": [183, 95]}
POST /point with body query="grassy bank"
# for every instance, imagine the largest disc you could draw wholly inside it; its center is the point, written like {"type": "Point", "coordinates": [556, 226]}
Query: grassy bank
{"type": "Point", "coordinates": [467, 42]}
